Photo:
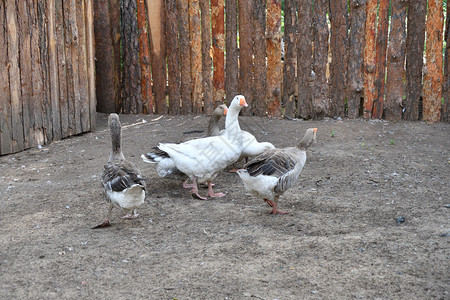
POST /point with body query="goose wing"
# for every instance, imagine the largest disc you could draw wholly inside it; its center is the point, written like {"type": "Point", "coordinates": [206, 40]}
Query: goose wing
{"type": "Point", "coordinates": [285, 164]}
{"type": "Point", "coordinates": [120, 175]}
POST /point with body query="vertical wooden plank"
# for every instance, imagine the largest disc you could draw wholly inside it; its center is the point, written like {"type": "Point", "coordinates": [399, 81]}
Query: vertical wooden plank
{"type": "Point", "coordinates": [14, 76]}
{"type": "Point", "coordinates": [259, 87]}
{"type": "Point", "coordinates": [107, 94]}
{"type": "Point", "coordinates": [61, 63]}
{"type": "Point", "coordinates": [414, 57]}
{"type": "Point", "coordinates": [144, 59]}
{"type": "Point", "coordinates": [370, 58]}
{"type": "Point", "coordinates": [53, 71]}
{"type": "Point", "coordinates": [25, 69]}
{"type": "Point", "coordinates": [114, 13]}
{"type": "Point", "coordinates": [396, 62]}
{"type": "Point", "coordinates": [185, 57]}
{"type": "Point", "coordinates": [304, 59]}
{"type": "Point", "coordinates": [445, 115]}
{"type": "Point", "coordinates": [73, 40]}
{"type": "Point", "coordinates": [90, 59]}
{"type": "Point", "coordinates": [232, 71]}
{"type": "Point", "coordinates": [381, 45]}
{"type": "Point", "coordinates": [246, 53]}
{"type": "Point", "coordinates": [320, 91]}
{"type": "Point", "coordinates": [339, 53]}
{"type": "Point", "coordinates": [5, 104]}
{"type": "Point", "coordinates": [155, 10]}
{"type": "Point", "coordinates": [432, 80]}
{"type": "Point", "coordinates": [356, 57]}
{"type": "Point", "coordinates": [69, 69]}
{"type": "Point", "coordinates": [173, 57]}
{"type": "Point", "coordinates": [131, 70]}
{"type": "Point", "coordinates": [218, 43]}
{"type": "Point", "coordinates": [36, 105]}
{"type": "Point", "coordinates": [290, 57]}
{"type": "Point", "coordinates": [207, 55]}
{"type": "Point", "coordinates": [195, 36]}
{"type": "Point", "coordinates": [274, 70]}
{"type": "Point", "coordinates": [44, 54]}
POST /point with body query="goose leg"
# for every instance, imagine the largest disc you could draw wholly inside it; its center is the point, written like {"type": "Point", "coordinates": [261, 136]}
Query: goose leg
{"type": "Point", "coordinates": [211, 192]}
{"type": "Point", "coordinates": [132, 215]}
{"type": "Point", "coordinates": [270, 202]}
{"type": "Point", "coordinates": [194, 190]}
{"type": "Point", "coordinates": [274, 210]}
{"type": "Point", "coordinates": [187, 185]}
{"type": "Point", "coordinates": [105, 223]}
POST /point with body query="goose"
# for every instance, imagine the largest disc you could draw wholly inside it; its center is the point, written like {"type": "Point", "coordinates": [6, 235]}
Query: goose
{"type": "Point", "coordinates": [213, 125]}
{"type": "Point", "coordinates": [122, 183]}
{"type": "Point", "coordinates": [201, 159]}
{"type": "Point", "coordinates": [166, 166]}
{"type": "Point", "coordinates": [273, 172]}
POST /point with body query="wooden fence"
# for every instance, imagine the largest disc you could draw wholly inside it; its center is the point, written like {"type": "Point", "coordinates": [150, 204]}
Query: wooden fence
{"type": "Point", "coordinates": [297, 58]}
{"type": "Point", "coordinates": [46, 71]}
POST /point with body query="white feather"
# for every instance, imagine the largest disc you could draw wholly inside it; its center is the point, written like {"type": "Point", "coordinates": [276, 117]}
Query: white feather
{"type": "Point", "coordinates": [261, 185]}
{"type": "Point", "coordinates": [129, 198]}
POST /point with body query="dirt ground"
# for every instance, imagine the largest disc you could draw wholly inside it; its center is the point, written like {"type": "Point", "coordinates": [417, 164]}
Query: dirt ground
{"type": "Point", "coordinates": [342, 239]}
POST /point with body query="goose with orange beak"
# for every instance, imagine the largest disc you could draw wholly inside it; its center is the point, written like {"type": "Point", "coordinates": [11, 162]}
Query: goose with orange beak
{"type": "Point", "coordinates": [273, 172]}
{"type": "Point", "coordinates": [202, 159]}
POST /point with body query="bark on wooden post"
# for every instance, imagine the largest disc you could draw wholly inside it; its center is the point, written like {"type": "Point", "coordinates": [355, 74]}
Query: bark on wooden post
{"type": "Point", "coordinates": [370, 58]}
{"type": "Point", "coordinates": [274, 70]}
{"type": "Point", "coordinates": [259, 86]}
{"type": "Point", "coordinates": [304, 59]}
{"type": "Point", "coordinates": [14, 75]}
{"type": "Point", "coordinates": [356, 57]}
{"type": "Point", "coordinates": [432, 81]}
{"type": "Point", "coordinates": [396, 62]}
{"type": "Point", "coordinates": [5, 105]}
{"type": "Point", "coordinates": [114, 6]}
{"type": "Point", "coordinates": [320, 92]}
{"type": "Point", "coordinates": [445, 115]}
{"type": "Point", "coordinates": [381, 45]}
{"type": "Point", "coordinates": [173, 57]}
{"type": "Point", "coordinates": [246, 53]}
{"type": "Point", "coordinates": [195, 36]}
{"type": "Point", "coordinates": [290, 57]}
{"type": "Point", "coordinates": [218, 44]}
{"type": "Point", "coordinates": [131, 72]}
{"type": "Point", "coordinates": [185, 57]}
{"type": "Point", "coordinates": [155, 10]}
{"type": "Point", "coordinates": [414, 57]}
{"type": "Point", "coordinates": [339, 53]}
{"type": "Point", "coordinates": [207, 79]}
{"type": "Point", "coordinates": [144, 59]}
{"type": "Point", "coordinates": [232, 71]}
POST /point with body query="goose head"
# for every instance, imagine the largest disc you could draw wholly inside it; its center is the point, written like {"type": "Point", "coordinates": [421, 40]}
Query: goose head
{"type": "Point", "coordinates": [308, 139]}
{"type": "Point", "coordinates": [116, 136]}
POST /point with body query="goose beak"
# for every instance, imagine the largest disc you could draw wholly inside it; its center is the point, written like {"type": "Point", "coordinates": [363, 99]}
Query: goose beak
{"type": "Point", "coordinates": [315, 130]}
{"type": "Point", "coordinates": [225, 111]}
{"type": "Point", "coordinates": [242, 102]}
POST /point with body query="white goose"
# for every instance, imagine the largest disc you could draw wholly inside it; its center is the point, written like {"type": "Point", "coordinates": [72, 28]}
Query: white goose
{"type": "Point", "coordinates": [213, 125]}
{"type": "Point", "coordinates": [123, 185]}
{"type": "Point", "coordinates": [166, 166]}
{"type": "Point", "coordinates": [201, 159]}
{"type": "Point", "coordinates": [273, 172]}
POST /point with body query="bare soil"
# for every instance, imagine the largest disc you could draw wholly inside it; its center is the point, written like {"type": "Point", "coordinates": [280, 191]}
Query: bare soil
{"type": "Point", "coordinates": [368, 219]}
